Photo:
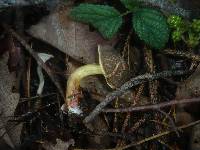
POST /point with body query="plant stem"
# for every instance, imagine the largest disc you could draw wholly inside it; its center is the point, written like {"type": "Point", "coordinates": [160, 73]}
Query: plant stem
{"type": "Point", "coordinates": [74, 79]}
{"type": "Point", "coordinates": [126, 13]}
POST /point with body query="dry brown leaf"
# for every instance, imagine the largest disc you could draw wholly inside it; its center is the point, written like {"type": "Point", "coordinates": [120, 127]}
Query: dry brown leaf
{"type": "Point", "coordinates": [190, 87]}
{"type": "Point", "coordinates": [8, 103]}
{"type": "Point", "coordinates": [98, 141]}
{"type": "Point", "coordinates": [195, 138]}
{"type": "Point", "coordinates": [73, 38]}
{"type": "Point", "coordinates": [14, 54]}
{"type": "Point", "coordinates": [10, 45]}
{"type": "Point", "coordinates": [60, 145]}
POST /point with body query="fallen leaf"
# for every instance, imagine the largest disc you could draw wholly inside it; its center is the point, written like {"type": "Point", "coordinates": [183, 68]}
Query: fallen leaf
{"type": "Point", "coordinates": [3, 45]}
{"type": "Point", "coordinates": [195, 138]}
{"type": "Point", "coordinates": [98, 141]}
{"type": "Point", "coordinates": [60, 145]}
{"type": "Point", "coordinates": [9, 131]}
{"type": "Point", "coordinates": [8, 44]}
{"type": "Point", "coordinates": [14, 54]}
{"type": "Point", "coordinates": [73, 38]}
{"type": "Point", "coordinates": [189, 89]}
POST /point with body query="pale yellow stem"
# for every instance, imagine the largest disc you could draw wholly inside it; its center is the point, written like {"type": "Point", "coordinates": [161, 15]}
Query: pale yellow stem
{"type": "Point", "coordinates": [74, 79]}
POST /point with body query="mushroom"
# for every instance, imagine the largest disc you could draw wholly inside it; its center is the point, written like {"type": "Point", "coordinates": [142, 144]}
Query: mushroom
{"type": "Point", "coordinates": [111, 65]}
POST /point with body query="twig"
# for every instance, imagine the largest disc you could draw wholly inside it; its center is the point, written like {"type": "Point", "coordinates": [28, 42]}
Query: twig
{"type": "Point", "coordinates": [129, 84]}
{"type": "Point", "coordinates": [182, 54]}
{"type": "Point", "coordinates": [36, 57]}
{"type": "Point", "coordinates": [155, 106]}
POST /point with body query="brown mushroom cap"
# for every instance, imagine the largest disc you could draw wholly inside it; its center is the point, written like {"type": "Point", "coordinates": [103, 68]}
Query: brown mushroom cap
{"type": "Point", "coordinates": [115, 69]}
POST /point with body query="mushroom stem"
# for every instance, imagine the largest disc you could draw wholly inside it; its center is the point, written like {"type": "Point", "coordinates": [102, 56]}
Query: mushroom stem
{"type": "Point", "coordinates": [111, 65]}
{"type": "Point", "coordinates": [74, 79]}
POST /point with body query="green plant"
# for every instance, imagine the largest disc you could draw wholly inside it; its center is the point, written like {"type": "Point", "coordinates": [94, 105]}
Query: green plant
{"type": "Point", "coordinates": [149, 24]}
{"type": "Point", "coordinates": [186, 31]}
{"type": "Point", "coordinates": [175, 21]}
{"type": "Point", "coordinates": [177, 35]}
{"type": "Point", "coordinates": [196, 25]}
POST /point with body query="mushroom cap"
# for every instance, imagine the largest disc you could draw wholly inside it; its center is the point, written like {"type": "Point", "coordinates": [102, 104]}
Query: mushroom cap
{"type": "Point", "coordinates": [114, 67]}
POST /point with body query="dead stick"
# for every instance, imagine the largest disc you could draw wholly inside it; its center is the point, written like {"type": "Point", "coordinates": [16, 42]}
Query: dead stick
{"type": "Point", "coordinates": [154, 106]}
{"type": "Point", "coordinates": [36, 57]}
{"type": "Point", "coordinates": [129, 84]}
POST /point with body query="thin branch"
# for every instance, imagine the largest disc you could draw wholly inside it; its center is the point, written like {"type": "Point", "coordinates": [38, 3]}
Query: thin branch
{"type": "Point", "coordinates": [155, 106]}
{"type": "Point", "coordinates": [129, 84]}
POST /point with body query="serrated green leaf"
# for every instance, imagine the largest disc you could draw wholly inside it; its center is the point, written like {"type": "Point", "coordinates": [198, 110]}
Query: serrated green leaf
{"type": "Point", "coordinates": [105, 18]}
{"type": "Point", "coordinates": [151, 26]}
{"type": "Point", "coordinates": [131, 4]}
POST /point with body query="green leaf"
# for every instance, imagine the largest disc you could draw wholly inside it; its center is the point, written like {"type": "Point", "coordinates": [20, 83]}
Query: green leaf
{"type": "Point", "coordinates": [131, 4]}
{"type": "Point", "coordinates": [105, 18]}
{"type": "Point", "coordinates": [151, 26]}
